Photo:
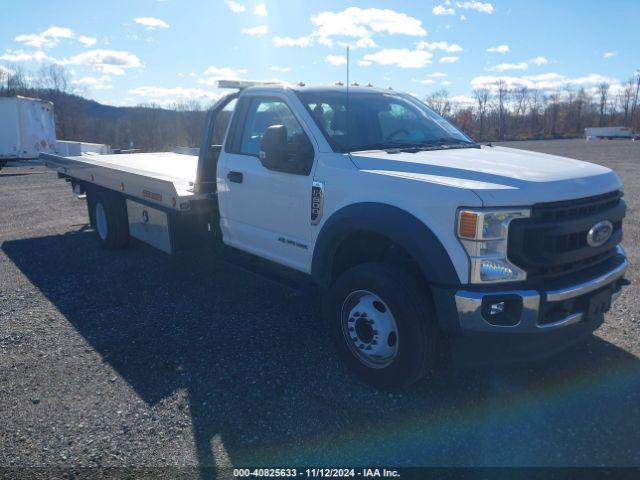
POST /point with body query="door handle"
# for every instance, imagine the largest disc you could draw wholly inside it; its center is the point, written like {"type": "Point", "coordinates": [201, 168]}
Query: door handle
{"type": "Point", "coordinates": [235, 177]}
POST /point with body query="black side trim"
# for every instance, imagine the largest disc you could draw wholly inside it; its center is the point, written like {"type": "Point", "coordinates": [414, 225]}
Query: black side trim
{"type": "Point", "coordinates": [394, 223]}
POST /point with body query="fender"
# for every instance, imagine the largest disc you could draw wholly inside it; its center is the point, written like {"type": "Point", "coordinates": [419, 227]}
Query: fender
{"type": "Point", "coordinates": [394, 223]}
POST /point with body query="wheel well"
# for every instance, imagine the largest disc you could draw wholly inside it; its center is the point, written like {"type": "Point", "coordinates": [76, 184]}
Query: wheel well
{"type": "Point", "coordinates": [363, 246]}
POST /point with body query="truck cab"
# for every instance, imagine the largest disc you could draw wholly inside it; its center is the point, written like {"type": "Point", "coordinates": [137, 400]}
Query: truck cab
{"type": "Point", "coordinates": [424, 244]}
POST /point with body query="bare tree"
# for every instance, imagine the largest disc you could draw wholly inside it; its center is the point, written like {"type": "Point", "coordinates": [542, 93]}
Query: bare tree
{"type": "Point", "coordinates": [635, 97]}
{"type": "Point", "coordinates": [502, 93]}
{"type": "Point", "coordinates": [625, 99]}
{"type": "Point", "coordinates": [482, 97]}
{"type": "Point", "coordinates": [582, 99]}
{"type": "Point", "coordinates": [439, 102]}
{"type": "Point", "coordinates": [53, 77]}
{"type": "Point", "coordinates": [17, 81]}
{"type": "Point", "coordinates": [603, 94]}
{"type": "Point", "coordinates": [521, 97]}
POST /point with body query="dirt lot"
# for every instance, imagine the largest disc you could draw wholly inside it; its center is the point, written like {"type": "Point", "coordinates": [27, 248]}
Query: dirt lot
{"type": "Point", "coordinates": [132, 358]}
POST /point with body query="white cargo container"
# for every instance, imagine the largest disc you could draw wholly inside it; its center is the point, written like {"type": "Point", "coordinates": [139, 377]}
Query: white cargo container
{"type": "Point", "coordinates": [27, 128]}
{"type": "Point", "coordinates": [609, 132]}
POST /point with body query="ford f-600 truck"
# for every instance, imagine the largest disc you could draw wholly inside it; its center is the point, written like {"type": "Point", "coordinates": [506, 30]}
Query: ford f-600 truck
{"type": "Point", "coordinates": [421, 241]}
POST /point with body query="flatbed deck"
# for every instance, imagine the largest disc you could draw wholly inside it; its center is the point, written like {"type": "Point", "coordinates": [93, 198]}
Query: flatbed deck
{"type": "Point", "coordinates": [164, 178]}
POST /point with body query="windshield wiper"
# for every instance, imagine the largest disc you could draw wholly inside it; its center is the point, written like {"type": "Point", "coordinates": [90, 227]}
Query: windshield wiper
{"type": "Point", "coordinates": [449, 142]}
{"type": "Point", "coordinates": [386, 146]}
{"type": "Point", "coordinates": [435, 144]}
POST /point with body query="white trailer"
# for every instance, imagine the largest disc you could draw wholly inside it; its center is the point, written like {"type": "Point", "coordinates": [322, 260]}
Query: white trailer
{"type": "Point", "coordinates": [27, 128]}
{"type": "Point", "coordinates": [609, 132]}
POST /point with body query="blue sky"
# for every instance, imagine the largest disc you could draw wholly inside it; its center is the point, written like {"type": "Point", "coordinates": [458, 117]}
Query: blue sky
{"type": "Point", "coordinates": [129, 52]}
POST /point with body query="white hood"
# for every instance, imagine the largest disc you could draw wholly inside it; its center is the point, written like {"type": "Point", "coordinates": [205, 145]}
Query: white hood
{"type": "Point", "coordinates": [498, 175]}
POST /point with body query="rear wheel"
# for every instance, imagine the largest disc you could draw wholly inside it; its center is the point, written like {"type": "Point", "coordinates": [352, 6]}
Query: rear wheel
{"type": "Point", "coordinates": [108, 215]}
{"type": "Point", "coordinates": [383, 324]}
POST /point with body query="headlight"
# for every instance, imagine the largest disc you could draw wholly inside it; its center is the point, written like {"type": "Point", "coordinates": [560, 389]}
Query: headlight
{"type": "Point", "coordinates": [484, 235]}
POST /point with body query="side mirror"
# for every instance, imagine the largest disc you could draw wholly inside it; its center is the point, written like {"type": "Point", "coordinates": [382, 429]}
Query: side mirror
{"type": "Point", "coordinates": [273, 147]}
{"type": "Point", "coordinates": [277, 154]}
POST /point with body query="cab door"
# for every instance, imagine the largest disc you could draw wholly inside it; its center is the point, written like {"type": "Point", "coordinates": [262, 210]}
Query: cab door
{"type": "Point", "coordinates": [265, 211]}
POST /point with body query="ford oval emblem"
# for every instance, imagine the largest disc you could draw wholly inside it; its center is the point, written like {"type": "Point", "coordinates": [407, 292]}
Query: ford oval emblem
{"type": "Point", "coordinates": [599, 233]}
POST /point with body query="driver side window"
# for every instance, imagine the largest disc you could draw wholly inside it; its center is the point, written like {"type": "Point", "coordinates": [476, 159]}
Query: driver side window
{"type": "Point", "coordinates": [262, 114]}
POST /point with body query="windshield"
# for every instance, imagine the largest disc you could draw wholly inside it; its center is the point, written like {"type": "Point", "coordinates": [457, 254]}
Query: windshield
{"type": "Point", "coordinates": [374, 120]}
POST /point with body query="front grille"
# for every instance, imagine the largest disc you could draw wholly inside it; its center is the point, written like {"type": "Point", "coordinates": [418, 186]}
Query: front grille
{"type": "Point", "coordinates": [574, 208]}
{"type": "Point", "coordinates": [553, 241]}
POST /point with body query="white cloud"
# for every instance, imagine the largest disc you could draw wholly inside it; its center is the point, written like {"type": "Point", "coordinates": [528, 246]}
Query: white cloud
{"type": "Point", "coordinates": [112, 62]}
{"type": "Point", "coordinates": [499, 49]}
{"type": "Point", "coordinates": [291, 42]}
{"type": "Point", "coordinates": [462, 101]}
{"type": "Point", "coordinates": [46, 39]}
{"type": "Point", "coordinates": [235, 7]}
{"type": "Point", "coordinates": [463, 18]}
{"type": "Point", "coordinates": [111, 70]}
{"type": "Point", "coordinates": [442, 10]}
{"type": "Point", "coordinates": [538, 61]}
{"type": "Point", "coordinates": [213, 74]}
{"type": "Point", "coordinates": [360, 23]}
{"type": "Point", "coordinates": [166, 96]}
{"type": "Point", "coordinates": [5, 71]}
{"type": "Point", "coordinates": [609, 54]}
{"type": "Point", "coordinates": [545, 81]}
{"type": "Point", "coordinates": [446, 83]}
{"type": "Point", "coordinates": [503, 67]}
{"type": "Point", "coordinates": [437, 75]}
{"type": "Point", "coordinates": [364, 42]}
{"type": "Point", "coordinates": [444, 46]}
{"type": "Point", "coordinates": [22, 56]}
{"type": "Point", "coordinates": [477, 6]}
{"type": "Point", "coordinates": [401, 57]}
{"type": "Point", "coordinates": [151, 23]}
{"type": "Point", "coordinates": [280, 69]}
{"type": "Point", "coordinates": [427, 81]}
{"type": "Point", "coordinates": [256, 31]}
{"type": "Point", "coordinates": [94, 83]}
{"type": "Point", "coordinates": [449, 59]}
{"type": "Point", "coordinates": [336, 60]}
{"type": "Point", "coordinates": [261, 10]}
{"type": "Point", "coordinates": [364, 22]}
{"type": "Point", "coordinates": [87, 41]}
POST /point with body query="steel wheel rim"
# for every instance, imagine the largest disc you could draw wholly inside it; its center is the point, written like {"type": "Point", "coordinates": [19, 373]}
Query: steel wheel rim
{"type": "Point", "coordinates": [101, 221]}
{"type": "Point", "coordinates": [369, 329]}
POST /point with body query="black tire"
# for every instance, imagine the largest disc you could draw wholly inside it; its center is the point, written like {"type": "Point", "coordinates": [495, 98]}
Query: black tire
{"type": "Point", "coordinates": [418, 337]}
{"type": "Point", "coordinates": [113, 230]}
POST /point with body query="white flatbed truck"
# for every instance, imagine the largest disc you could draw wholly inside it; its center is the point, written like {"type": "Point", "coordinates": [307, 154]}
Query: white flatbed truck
{"type": "Point", "coordinates": [424, 245]}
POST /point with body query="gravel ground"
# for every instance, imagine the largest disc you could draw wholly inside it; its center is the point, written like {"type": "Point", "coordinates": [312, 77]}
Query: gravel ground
{"type": "Point", "coordinates": [133, 359]}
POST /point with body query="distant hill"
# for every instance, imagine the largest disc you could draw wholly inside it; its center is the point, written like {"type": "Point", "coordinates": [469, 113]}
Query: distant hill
{"type": "Point", "coordinates": [147, 127]}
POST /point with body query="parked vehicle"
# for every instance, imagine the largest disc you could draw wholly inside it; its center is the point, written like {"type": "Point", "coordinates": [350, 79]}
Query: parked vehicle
{"type": "Point", "coordinates": [424, 244]}
{"type": "Point", "coordinates": [610, 132]}
{"type": "Point", "coordinates": [27, 128]}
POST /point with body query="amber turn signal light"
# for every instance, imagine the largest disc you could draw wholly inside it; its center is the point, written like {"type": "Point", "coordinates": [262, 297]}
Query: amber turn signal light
{"type": "Point", "coordinates": [468, 224]}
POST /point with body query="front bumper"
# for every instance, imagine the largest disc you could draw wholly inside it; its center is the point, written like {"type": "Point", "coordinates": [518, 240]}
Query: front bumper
{"type": "Point", "coordinates": [542, 309]}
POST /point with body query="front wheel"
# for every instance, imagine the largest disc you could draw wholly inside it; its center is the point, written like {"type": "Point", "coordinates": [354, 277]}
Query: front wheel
{"type": "Point", "coordinates": [383, 324]}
